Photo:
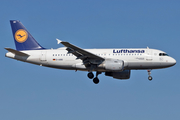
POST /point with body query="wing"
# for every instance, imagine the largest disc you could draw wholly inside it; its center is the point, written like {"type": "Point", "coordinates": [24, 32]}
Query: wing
{"type": "Point", "coordinates": [85, 56]}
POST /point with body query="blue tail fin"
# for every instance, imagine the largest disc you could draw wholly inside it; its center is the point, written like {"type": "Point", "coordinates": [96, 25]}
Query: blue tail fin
{"type": "Point", "coordinates": [23, 39]}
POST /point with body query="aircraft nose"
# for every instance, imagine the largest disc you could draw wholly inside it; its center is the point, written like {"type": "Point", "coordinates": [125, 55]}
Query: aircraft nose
{"type": "Point", "coordinates": [173, 61]}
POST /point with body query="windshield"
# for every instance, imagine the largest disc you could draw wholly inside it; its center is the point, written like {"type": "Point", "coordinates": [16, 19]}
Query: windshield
{"type": "Point", "coordinates": [163, 54]}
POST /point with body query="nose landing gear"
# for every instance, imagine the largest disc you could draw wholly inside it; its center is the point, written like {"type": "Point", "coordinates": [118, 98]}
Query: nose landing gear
{"type": "Point", "coordinates": [150, 78]}
{"type": "Point", "coordinates": [149, 73]}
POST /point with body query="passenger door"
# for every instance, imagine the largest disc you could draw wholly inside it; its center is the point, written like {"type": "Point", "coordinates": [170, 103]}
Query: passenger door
{"type": "Point", "coordinates": [149, 55]}
{"type": "Point", "coordinates": [43, 56]}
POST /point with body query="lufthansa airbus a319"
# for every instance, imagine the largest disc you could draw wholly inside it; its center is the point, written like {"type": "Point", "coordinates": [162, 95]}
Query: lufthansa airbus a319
{"type": "Point", "coordinates": [116, 63]}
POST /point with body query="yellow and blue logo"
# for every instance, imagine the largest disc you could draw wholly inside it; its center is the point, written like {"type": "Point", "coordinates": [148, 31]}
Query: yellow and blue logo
{"type": "Point", "coordinates": [21, 36]}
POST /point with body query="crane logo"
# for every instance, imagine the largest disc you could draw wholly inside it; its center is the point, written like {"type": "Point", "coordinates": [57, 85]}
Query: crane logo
{"type": "Point", "coordinates": [21, 36]}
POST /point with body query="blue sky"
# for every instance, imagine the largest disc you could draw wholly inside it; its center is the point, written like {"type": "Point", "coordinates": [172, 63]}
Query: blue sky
{"type": "Point", "coordinates": [30, 92]}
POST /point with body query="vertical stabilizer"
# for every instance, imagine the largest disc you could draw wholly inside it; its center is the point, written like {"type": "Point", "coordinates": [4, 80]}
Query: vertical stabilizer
{"type": "Point", "coordinates": [23, 39]}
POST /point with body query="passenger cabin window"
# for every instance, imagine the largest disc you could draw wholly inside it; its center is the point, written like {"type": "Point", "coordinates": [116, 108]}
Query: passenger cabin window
{"type": "Point", "coordinates": [163, 54]}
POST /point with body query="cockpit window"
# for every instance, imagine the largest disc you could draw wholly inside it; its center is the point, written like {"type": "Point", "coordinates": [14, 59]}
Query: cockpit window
{"type": "Point", "coordinates": [163, 54]}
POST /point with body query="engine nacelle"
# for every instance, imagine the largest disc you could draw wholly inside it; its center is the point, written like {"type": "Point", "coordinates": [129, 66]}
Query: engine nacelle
{"type": "Point", "coordinates": [119, 75]}
{"type": "Point", "coordinates": [114, 65]}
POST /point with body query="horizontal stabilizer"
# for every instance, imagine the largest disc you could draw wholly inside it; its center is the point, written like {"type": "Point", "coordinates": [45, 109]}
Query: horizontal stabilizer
{"type": "Point", "coordinates": [16, 52]}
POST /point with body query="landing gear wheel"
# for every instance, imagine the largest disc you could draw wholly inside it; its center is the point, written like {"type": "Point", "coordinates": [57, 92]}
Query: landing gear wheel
{"type": "Point", "coordinates": [149, 73]}
{"type": "Point", "coordinates": [90, 75]}
{"type": "Point", "coordinates": [150, 78]}
{"type": "Point", "coordinates": [96, 80]}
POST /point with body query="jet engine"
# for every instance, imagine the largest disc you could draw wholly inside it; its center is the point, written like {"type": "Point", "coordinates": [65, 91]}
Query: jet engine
{"type": "Point", "coordinates": [119, 75]}
{"type": "Point", "coordinates": [114, 65]}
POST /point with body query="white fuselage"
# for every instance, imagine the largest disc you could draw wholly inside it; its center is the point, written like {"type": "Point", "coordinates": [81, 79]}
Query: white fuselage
{"type": "Point", "coordinates": [133, 58]}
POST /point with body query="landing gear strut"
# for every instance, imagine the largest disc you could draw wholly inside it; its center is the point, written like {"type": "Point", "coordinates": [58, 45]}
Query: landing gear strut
{"type": "Point", "coordinates": [96, 80]}
{"type": "Point", "coordinates": [149, 73]}
{"type": "Point", "coordinates": [91, 76]}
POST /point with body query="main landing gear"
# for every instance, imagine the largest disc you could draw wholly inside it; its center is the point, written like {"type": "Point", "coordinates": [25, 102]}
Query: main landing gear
{"type": "Point", "coordinates": [91, 76]}
{"type": "Point", "coordinates": [149, 73]}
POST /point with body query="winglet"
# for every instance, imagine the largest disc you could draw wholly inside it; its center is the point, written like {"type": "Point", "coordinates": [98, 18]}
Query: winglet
{"type": "Point", "coordinates": [58, 41]}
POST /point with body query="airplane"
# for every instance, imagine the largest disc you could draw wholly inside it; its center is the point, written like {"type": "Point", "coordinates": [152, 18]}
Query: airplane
{"type": "Point", "coordinates": [116, 62]}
